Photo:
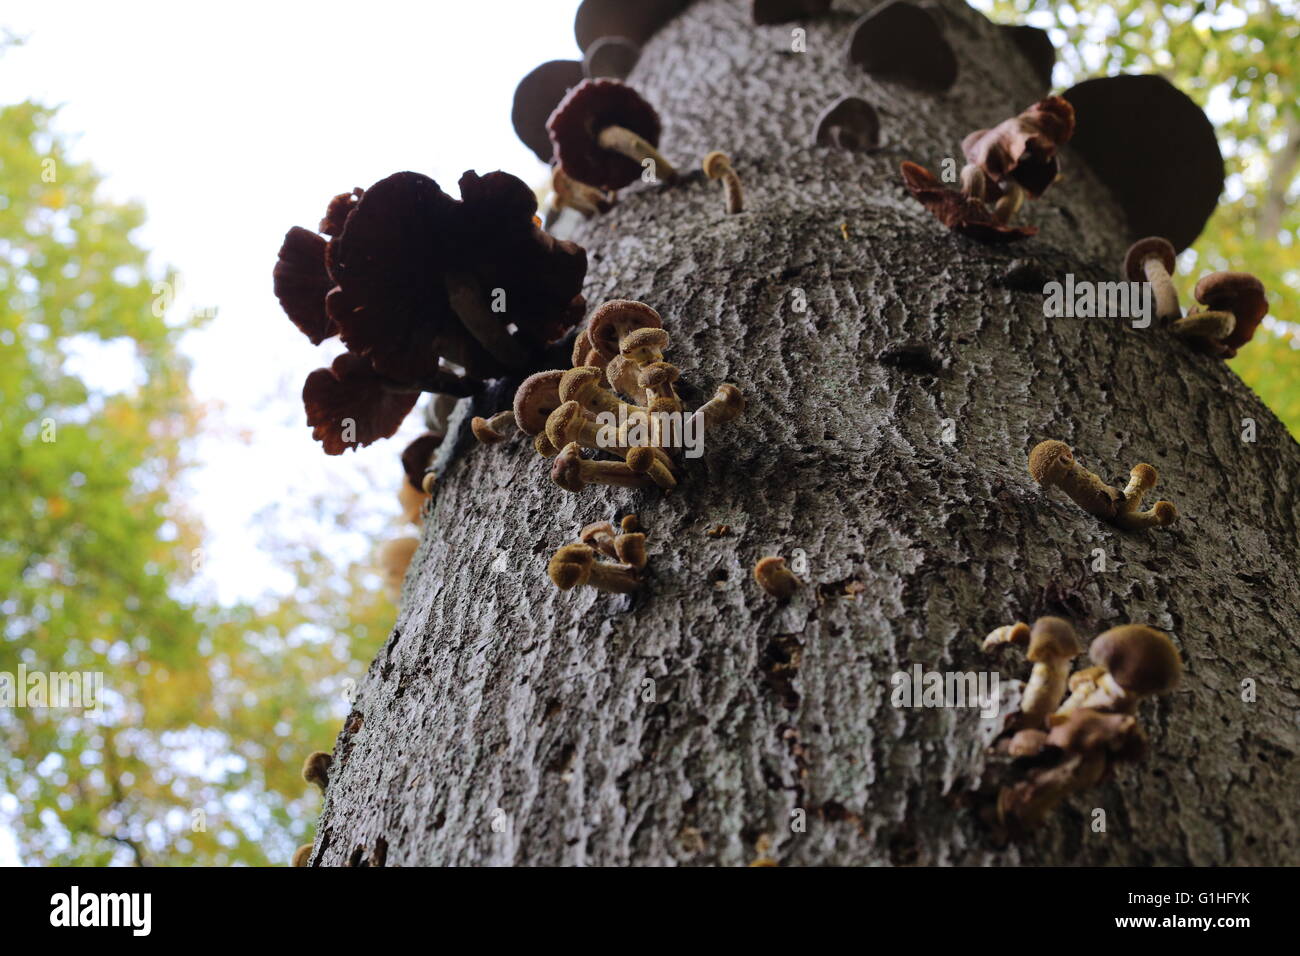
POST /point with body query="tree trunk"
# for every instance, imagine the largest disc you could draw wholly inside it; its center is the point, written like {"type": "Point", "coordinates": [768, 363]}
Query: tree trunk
{"type": "Point", "coordinates": [506, 722]}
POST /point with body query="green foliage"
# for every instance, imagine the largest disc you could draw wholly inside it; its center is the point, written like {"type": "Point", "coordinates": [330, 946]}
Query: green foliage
{"type": "Point", "coordinates": [1238, 61]}
{"type": "Point", "coordinates": [210, 710]}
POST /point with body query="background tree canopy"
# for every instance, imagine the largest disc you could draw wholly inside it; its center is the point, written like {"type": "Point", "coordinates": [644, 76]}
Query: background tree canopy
{"type": "Point", "coordinates": [211, 708]}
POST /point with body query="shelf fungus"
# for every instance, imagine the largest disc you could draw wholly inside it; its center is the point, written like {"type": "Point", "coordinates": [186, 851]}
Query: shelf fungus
{"type": "Point", "coordinates": [410, 280]}
{"type": "Point", "coordinates": [901, 42]}
{"type": "Point", "coordinates": [1085, 738]}
{"type": "Point", "coordinates": [849, 123]}
{"type": "Point", "coordinates": [580, 562]}
{"type": "Point", "coordinates": [604, 133]}
{"type": "Point", "coordinates": [1052, 464]}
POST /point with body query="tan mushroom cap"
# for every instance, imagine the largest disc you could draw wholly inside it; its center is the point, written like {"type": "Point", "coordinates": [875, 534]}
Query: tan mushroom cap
{"type": "Point", "coordinates": [658, 374]}
{"type": "Point", "coordinates": [563, 424]}
{"type": "Point", "coordinates": [1140, 659]}
{"type": "Point", "coordinates": [1086, 675]}
{"type": "Point", "coordinates": [716, 164]}
{"type": "Point", "coordinates": [1053, 639]}
{"type": "Point", "coordinates": [570, 566]}
{"type": "Point", "coordinates": [578, 382]}
{"type": "Point", "coordinates": [1050, 460]}
{"type": "Point", "coordinates": [615, 319]}
{"type": "Point", "coordinates": [644, 339]}
{"type": "Point", "coordinates": [1152, 247]}
{"type": "Point", "coordinates": [537, 396]}
{"type": "Point", "coordinates": [1087, 730]}
{"type": "Point", "coordinates": [599, 535]}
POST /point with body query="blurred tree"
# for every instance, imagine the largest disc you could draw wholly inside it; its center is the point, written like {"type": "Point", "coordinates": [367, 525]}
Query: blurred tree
{"type": "Point", "coordinates": [1238, 61]}
{"type": "Point", "coordinates": [208, 710]}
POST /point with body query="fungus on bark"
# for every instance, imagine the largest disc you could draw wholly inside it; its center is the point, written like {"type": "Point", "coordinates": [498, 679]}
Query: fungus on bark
{"type": "Point", "coordinates": [1241, 295]}
{"type": "Point", "coordinates": [849, 123]}
{"type": "Point", "coordinates": [1053, 644]}
{"type": "Point", "coordinates": [1052, 463]}
{"type": "Point", "coordinates": [1036, 46]}
{"type": "Point", "coordinates": [1139, 661]}
{"type": "Point", "coordinates": [615, 319]}
{"type": "Point", "coordinates": [349, 405]}
{"type": "Point", "coordinates": [768, 12]}
{"type": "Point", "coordinates": [958, 211]}
{"type": "Point", "coordinates": [574, 565]}
{"type": "Point", "coordinates": [302, 855]}
{"type": "Point", "coordinates": [774, 577]}
{"type": "Point", "coordinates": [610, 58]}
{"type": "Point", "coordinates": [638, 21]}
{"type": "Point", "coordinates": [1152, 260]}
{"type": "Point", "coordinates": [316, 769]}
{"type": "Point", "coordinates": [1154, 149]}
{"type": "Point", "coordinates": [536, 97]}
{"type": "Point", "coordinates": [603, 131]}
{"type": "Point", "coordinates": [900, 42]}
{"type": "Point", "coordinates": [1022, 150]}
{"type": "Point", "coordinates": [717, 165]}
{"type": "Point", "coordinates": [416, 457]}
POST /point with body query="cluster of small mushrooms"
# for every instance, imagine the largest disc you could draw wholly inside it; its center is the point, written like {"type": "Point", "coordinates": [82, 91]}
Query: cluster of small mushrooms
{"type": "Point", "coordinates": [580, 562]}
{"type": "Point", "coordinates": [316, 771]}
{"type": "Point", "coordinates": [1063, 745]}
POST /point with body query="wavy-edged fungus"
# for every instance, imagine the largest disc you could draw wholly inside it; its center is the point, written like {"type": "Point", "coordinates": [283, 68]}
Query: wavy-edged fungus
{"type": "Point", "coordinates": [1140, 662]}
{"type": "Point", "coordinates": [302, 282]}
{"type": "Point", "coordinates": [768, 12]}
{"type": "Point", "coordinates": [959, 212]}
{"type": "Point", "coordinates": [849, 123]}
{"type": "Point", "coordinates": [1036, 47]}
{"type": "Point", "coordinates": [1052, 463]}
{"type": "Point", "coordinates": [638, 20]}
{"type": "Point", "coordinates": [1153, 260]}
{"type": "Point", "coordinates": [416, 457]}
{"type": "Point", "coordinates": [717, 165]}
{"type": "Point", "coordinates": [316, 769]}
{"type": "Point", "coordinates": [416, 270]}
{"type": "Point", "coordinates": [1154, 149]}
{"type": "Point", "coordinates": [536, 397]}
{"type": "Point", "coordinates": [536, 97]}
{"type": "Point", "coordinates": [1022, 150]}
{"type": "Point", "coordinates": [775, 577]}
{"type": "Point", "coordinates": [614, 320]}
{"type": "Point", "coordinates": [574, 565]}
{"type": "Point", "coordinates": [603, 131]}
{"type": "Point", "coordinates": [901, 42]}
{"type": "Point", "coordinates": [1240, 294]}
{"type": "Point", "coordinates": [610, 58]}
{"type": "Point", "coordinates": [349, 405]}
{"type": "Point", "coordinates": [1053, 644]}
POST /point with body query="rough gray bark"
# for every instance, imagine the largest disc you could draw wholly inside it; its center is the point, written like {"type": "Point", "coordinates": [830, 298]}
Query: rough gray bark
{"type": "Point", "coordinates": [495, 690]}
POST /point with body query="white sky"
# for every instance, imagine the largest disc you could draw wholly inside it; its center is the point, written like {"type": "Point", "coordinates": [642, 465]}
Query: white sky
{"type": "Point", "coordinates": [233, 122]}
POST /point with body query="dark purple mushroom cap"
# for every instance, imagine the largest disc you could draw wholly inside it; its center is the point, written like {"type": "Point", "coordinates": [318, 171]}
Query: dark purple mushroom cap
{"type": "Point", "coordinates": [1154, 149]}
{"type": "Point", "coordinates": [610, 58]}
{"type": "Point", "coordinates": [899, 41]}
{"type": "Point", "coordinates": [638, 20]}
{"type": "Point", "coordinates": [766, 12]}
{"type": "Point", "coordinates": [1037, 48]}
{"type": "Point", "coordinates": [302, 282]}
{"type": "Point", "coordinates": [349, 405]}
{"type": "Point", "coordinates": [588, 108]}
{"type": "Point", "coordinates": [536, 97]}
{"type": "Point", "coordinates": [849, 123]}
{"type": "Point", "coordinates": [1152, 247]}
{"type": "Point", "coordinates": [416, 457]}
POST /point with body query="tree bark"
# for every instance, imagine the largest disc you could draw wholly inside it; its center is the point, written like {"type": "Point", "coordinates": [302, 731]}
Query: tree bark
{"type": "Point", "coordinates": [886, 435]}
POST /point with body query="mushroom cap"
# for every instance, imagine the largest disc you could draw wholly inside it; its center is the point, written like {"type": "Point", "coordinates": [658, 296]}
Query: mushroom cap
{"type": "Point", "coordinates": [652, 339]}
{"type": "Point", "coordinates": [576, 384]}
{"type": "Point", "coordinates": [595, 532]}
{"type": "Point", "coordinates": [642, 459]}
{"type": "Point", "coordinates": [536, 397]}
{"type": "Point", "coordinates": [566, 468]}
{"type": "Point", "coordinates": [1154, 149]}
{"type": "Point", "coordinates": [1053, 639]}
{"type": "Point", "coordinates": [610, 57]}
{"type": "Point", "coordinates": [1140, 659]}
{"type": "Point", "coordinates": [336, 214]}
{"type": "Point", "coordinates": [349, 406]}
{"type": "Point", "coordinates": [1148, 248]}
{"type": "Point", "coordinates": [1037, 48]}
{"type": "Point", "coordinates": [416, 457]}
{"type": "Point", "coordinates": [302, 855]}
{"type": "Point", "coordinates": [1143, 476]}
{"type": "Point", "coordinates": [622, 374]}
{"type": "Point", "coordinates": [1088, 731]}
{"type": "Point", "coordinates": [570, 566]}
{"type": "Point", "coordinates": [768, 12]}
{"type": "Point", "coordinates": [1166, 513]}
{"type": "Point", "coordinates": [630, 548]}
{"type": "Point", "coordinates": [302, 282]}
{"type": "Point", "coordinates": [900, 41]}
{"type": "Point", "coordinates": [658, 374]}
{"type": "Point", "coordinates": [581, 346]}
{"type": "Point", "coordinates": [536, 97]}
{"type": "Point", "coordinates": [774, 577]}
{"type": "Point", "coordinates": [849, 123]}
{"type": "Point", "coordinates": [484, 431]}
{"type": "Point", "coordinates": [563, 424]}
{"type": "Point", "coordinates": [730, 402]}
{"type": "Point", "coordinates": [616, 318]}
{"type": "Point", "coordinates": [637, 21]}
{"type": "Point", "coordinates": [1085, 675]}
{"type": "Point", "coordinates": [1239, 293]}
{"type": "Point", "coordinates": [1050, 461]}
{"type": "Point", "coordinates": [1023, 148]}
{"type": "Point", "coordinates": [577, 121]}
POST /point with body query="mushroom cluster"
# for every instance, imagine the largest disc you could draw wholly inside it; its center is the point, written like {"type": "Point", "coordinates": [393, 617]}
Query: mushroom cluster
{"type": "Point", "coordinates": [1052, 464]}
{"type": "Point", "coordinates": [428, 293]}
{"type": "Point", "coordinates": [1063, 746]}
{"type": "Point", "coordinates": [603, 557]}
{"type": "Point", "coordinates": [1005, 165]}
{"type": "Point", "coordinates": [618, 399]}
{"type": "Point", "coordinates": [1234, 303]}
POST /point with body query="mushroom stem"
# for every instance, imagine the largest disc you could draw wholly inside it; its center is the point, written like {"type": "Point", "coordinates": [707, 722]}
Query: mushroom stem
{"type": "Point", "coordinates": [486, 327]}
{"type": "Point", "coordinates": [1141, 480]}
{"type": "Point", "coordinates": [1005, 209]}
{"type": "Point", "coordinates": [1045, 689]}
{"type": "Point", "coordinates": [1017, 634]}
{"type": "Point", "coordinates": [636, 148]}
{"type": "Point", "coordinates": [726, 404]}
{"type": "Point", "coordinates": [717, 165]}
{"type": "Point", "coordinates": [1162, 286]}
{"type": "Point", "coordinates": [571, 194]}
{"type": "Point", "coordinates": [973, 182]}
{"type": "Point", "coordinates": [488, 430]}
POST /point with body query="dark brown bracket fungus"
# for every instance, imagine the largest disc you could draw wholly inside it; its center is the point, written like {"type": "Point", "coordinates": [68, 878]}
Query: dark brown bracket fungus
{"type": "Point", "coordinates": [962, 213]}
{"type": "Point", "coordinates": [900, 42]}
{"type": "Point", "coordinates": [1052, 463]}
{"type": "Point", "coordinates": [717, 165]}
{"type": "Point", "coordinates": [1037, 48]}
{"type": "Point", "coordinates": [610, 58]}
{"type": "Point", "coordinates": [1153, 260]}
{"type": "Point", "coordinates": [768, 12]}
{"type": "Point", "coordinates": [775, 577]}
{"type": "Point", "coordinates": [1154, 149]}
{"type": "Point", "coordinates": [316, 769]}
{"type": "Point", "coordinates": [536, 97]}
{"type": "Point", "coordinates": [849, 123]}
{"type": "Point", "coordinates": [637, 20]}
{"type": "Point", "coordinates": [603, 132]}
